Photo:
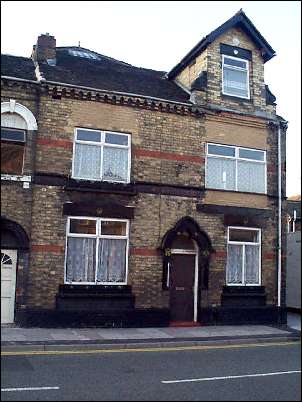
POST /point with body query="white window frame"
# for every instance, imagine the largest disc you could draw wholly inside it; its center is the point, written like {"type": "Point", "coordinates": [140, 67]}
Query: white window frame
{"type": "Point", "coordinates": [21, 175]}
{"type": "Point", "coordinates": [243, 244]}
{"type": "Point", "coordinates": [97, 236]}
{"type": "Point", "coordinates": [237, 158]}
{"type": "Point", "coordinates": [236, 69]}
{"type": "Point", "coordinates": [101, 144]}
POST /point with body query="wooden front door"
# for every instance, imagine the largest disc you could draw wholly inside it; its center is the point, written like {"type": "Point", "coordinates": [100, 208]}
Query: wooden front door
{"type": "Point", "coordinates": [182, 278]}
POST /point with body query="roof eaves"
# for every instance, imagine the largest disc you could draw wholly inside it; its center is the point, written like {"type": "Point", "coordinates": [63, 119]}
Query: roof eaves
{"type": "Point", "coordinates": [238, 18]}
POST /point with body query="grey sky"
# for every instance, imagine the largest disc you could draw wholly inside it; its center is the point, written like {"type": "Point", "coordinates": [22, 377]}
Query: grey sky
{"type": "Point", "coordinates": [157, 35]}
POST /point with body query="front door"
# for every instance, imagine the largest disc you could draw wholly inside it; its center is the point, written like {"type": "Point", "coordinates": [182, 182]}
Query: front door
{"type": "Point", "coordinates": [8, 285]}
{"type": "Point", "coordinates": [182, 279]}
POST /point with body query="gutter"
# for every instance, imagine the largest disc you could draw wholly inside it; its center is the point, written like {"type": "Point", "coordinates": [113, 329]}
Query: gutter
{"type": "Point", "coordinates": [19, 79]}
{"type": "Point", "coordinates": [99, 90]}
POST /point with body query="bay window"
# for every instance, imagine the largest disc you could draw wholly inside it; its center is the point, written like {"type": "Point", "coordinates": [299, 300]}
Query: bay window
{"type": "Point", "coordinates": [243, 256]}
{"type": "Point", "coordinates": [96, 251]}
{"type": "Point", "coordinates": [235, 168]}
{"type": "Point", "coordinates": [101, 155]}
{"type": "Point", "coordinates": [235, 77]}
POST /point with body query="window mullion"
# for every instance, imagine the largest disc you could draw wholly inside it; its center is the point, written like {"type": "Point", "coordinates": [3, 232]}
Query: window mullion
{"type": "Point", "coordinates": [102, 162]}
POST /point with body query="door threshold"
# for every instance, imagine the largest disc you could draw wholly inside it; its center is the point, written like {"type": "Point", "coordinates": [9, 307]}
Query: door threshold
{"type": "Point", "coordinates": [184, 324]}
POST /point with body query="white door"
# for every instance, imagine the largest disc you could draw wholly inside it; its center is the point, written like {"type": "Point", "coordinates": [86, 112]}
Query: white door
{"type": "Point", "coordinates": [8, 285]}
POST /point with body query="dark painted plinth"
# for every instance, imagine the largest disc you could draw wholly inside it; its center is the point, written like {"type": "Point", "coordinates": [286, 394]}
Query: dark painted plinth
{"type": "Point", "coordinates": [130, 318]}
{"type": "Point", "coordinates": [243, 315]}
{"type": "Point", "coordinates": [238, 296]}
{"type": "Point", "coordinates": [94, 298]}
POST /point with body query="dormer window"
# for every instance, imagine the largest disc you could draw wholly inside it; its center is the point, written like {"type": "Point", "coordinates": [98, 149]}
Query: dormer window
{"type": "Point", "coordinates": [235, 77]}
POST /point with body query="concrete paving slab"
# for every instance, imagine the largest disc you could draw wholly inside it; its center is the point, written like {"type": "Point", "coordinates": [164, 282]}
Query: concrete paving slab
{"type": "Point", "coordinates": [294, 321]}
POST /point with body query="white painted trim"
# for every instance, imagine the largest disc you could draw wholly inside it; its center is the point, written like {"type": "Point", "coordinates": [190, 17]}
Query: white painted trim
{"type": "Point", "coordinates": [243, 244]}
{"type": "Point", "coordinates": [97, 236]}
{"type": "Point", "coordinates": [22, 111]}
{"type": "Point", "coordinates": [236, 69]}
{"type": "Point", "coordinates": [195, 292]}
{"type": "Point", "coordinates": [102, 144]}
{"type": "Point", "coordinates": [14, 255]}
{"type": "Point", "coordinates": [237, 159]}
{"type": "Point", "coordinates": [12, 177]}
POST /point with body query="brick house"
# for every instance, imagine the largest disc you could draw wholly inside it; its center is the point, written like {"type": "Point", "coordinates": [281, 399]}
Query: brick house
{"type": "Point", "coordinates": [137, 197]}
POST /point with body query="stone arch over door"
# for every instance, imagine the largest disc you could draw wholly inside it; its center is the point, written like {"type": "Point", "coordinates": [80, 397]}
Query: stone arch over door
{"type": "Point", "coordinates": [186, 244]}
{"type": "Point", "coordinates": [15, 241]}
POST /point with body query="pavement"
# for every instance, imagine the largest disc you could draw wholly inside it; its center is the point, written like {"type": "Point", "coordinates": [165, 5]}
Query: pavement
{"type": "Point", "coordinates": [42, 339]}
{"type": "Point", "coordinates": [294, 321]}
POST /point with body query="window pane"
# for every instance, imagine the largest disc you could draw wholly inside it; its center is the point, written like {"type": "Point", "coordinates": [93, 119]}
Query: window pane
{"type": "Point", "coordinates": [246, 235]}
{"type": "Point", "coordinates": [11, 158]}
{"type": "Point", "coordinates": [116, 139]}
{"type": "Point", "coordinates": [80, 261]}
{"type": "Point", "coordinates": [84, 226]}
{"type": "Point", "coordinates": [251, 154]}
{"type": "Point", "coordinates": [12, 135]}
{"type": "Point", "coordinates": [115, 164]}
{"type": "Point", "coordinates": [221, 150]}
{"type": "Point", "coordinates": [252, 264]}
{"type": "Point", "coordinates": [234, 264]}
{"type": "Point", "coordinates": [113, 228]}
{"type": "Point", "coordinates": [221, 173]}
{"type": "Point", "coordinates": [87, 161]}
{"type": "Point", "coordinates": [235, 62]}
{"type": "Point", "coordinates": [251, 177]}
{"type": "Point", "coordinates": [88, 135]}
{"type": "Point", "coordinates": [235, 82]}
{"type": "Point", "coordinates": [112, 261]}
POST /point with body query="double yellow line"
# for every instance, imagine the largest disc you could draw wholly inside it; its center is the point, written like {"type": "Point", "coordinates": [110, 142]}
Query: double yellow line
{"type": "Point", "coordinates": [139, 350]}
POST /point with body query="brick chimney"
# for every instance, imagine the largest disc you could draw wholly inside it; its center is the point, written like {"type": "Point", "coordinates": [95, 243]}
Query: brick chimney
{"type": "Point", "coordinates": [45, 49]}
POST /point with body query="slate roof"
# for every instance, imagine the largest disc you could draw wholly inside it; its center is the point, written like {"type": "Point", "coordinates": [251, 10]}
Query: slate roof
{"type": "Point", "coordinates": [102, 73]}
{"type": "Point", "coordinates": [112, 75]}
{"type": "Point", "coordinates": [238, 20]}
{"type": "Point", "coordinates": [17, 66]}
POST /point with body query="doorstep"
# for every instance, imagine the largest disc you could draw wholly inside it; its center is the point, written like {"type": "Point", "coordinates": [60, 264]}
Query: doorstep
{"type": "Point", "coordinates": [184, 324]}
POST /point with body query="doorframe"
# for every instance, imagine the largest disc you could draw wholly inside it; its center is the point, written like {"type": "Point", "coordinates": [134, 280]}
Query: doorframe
{"type": "Point", "coordinates": [15, 251]}
{"type": "Point", "coordinates": [191, 252]}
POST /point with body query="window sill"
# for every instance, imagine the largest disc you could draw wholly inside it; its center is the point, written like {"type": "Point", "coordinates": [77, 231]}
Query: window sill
{"type": "Point", "coordinates": [12, 177]}
{"type": "Point", "coordinates": [234, 191]}
{"type": "Point", "coordinates": [236, 98]}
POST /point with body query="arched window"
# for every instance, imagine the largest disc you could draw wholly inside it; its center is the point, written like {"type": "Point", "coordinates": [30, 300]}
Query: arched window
{"type": "Point", "coordinates": [16, 119]}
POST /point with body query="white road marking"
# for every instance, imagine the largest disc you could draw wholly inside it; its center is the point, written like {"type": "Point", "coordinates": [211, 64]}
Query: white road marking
{"type": "Point", "coordinates": [28, 389]}
{"type": "Point", "coordinates": [229, 377]}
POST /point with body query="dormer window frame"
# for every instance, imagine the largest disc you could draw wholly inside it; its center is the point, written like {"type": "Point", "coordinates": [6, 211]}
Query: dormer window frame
{"type": "Point", "coordinates": [235, 68]}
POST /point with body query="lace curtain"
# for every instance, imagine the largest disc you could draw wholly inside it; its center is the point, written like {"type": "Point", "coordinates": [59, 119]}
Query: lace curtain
{"type": "Point", "coordinates": [115, 164]}
{"type": "Point", "coordinates": [87, 161]}
{"type": "Point", "coordinates": [251, 177]}
{"type": "Point", "coordinates": [215, 169]}
{"type": "Point", "coordinates": [112, 260]}
{"type": "Point", "coordinates": [251, 264]}
{"type": "Point", "coordinates": [80, 266]}
{"type": "Point", "coordinates": [234, 264]}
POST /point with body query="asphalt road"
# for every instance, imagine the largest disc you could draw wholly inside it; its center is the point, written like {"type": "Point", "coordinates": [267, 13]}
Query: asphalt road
{"type": "Point", "coordinates": [246, 373]}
